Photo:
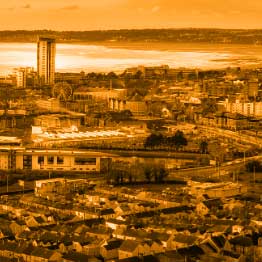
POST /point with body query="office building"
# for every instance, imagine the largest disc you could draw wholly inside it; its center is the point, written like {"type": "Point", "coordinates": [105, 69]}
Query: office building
{"type": "Point", "coordinates": [46, 50]}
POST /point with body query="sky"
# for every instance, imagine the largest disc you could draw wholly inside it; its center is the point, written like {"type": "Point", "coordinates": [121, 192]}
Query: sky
{"type": "Point", "coordinates": [120, 14]}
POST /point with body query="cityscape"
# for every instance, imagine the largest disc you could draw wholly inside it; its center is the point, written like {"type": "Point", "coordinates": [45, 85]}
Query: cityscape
{"type": "Point", "coordinates": [130, 145]}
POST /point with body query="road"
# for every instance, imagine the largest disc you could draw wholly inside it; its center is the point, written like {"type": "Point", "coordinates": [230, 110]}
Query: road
{"type": "Point", "coordinates": [237, 136]}
{"type": "Point", "coordinates": [212, 171]}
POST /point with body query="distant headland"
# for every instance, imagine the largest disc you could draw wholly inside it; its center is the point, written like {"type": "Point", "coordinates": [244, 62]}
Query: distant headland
{"type": "Point", "coordinates": [184, 35]}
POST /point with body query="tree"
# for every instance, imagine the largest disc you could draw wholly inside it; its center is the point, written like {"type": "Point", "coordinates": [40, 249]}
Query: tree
{"type": "Point", "coordinates": [112, 75]}
{"type": "Point", "coordinates": [203, 147]}
{"type": "Point", "coordinates": [192, 76]}
{"type": "Point", "coordinates": [154, 140]}
{"type": "Point", "coordinates": [178, 140]}
{"type": "Point", "coordinates": [180, 76]}
{"type": "Point", "coordinates": [9, 93]}
{"type": "Point", "coordinates": [156, 172]}
{"type": "Point", "coordinates": [91, 75]}
{"type": "Point", "coordinates": [254, 165]}
{"type": "Point", "coordinates": [137, 170]}
{"type": "Point", "coordinates": [118, 172]}
{"type": "Point", "coordinates": [138, 74]}
{"type": "Point", "coordinates": [162, 174]}
{"type": "Point", "coordinates": [148, 174]}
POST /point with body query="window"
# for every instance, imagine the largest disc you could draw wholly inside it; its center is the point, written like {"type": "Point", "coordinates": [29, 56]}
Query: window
{"type": "Point", "coordinates": [41, 160]}
{"type": "Point", "coordinates": [50, 160]}
{"type": "Point", "coordinates": [60, 160]}
{"type": "Point", "coordinates": [27, 162]}
{"type": "Point", "coordinates": [85, 161]}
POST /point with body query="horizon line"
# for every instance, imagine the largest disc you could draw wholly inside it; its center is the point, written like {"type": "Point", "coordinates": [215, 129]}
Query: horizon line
{"type": "Point", "coordinates": [137, 29]}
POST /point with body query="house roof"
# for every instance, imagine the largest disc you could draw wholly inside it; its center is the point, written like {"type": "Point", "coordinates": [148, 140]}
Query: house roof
{"type": "Point", "coordinates": [129, 245]}
{"type": "Point", "coordinates": [216, 202]}
{"type": "Point", "coordinates": [207, 248]}
{"type": "Point", "coordinates": [225, 222]}
{"type": "Point", "coordinates": [66, 240]}
{"type": "Point", "coordinates": [107, 211]}
{"type": "Point", "coordinates": [211, 258]}
{"type": "Point", "coordinates": [125, 207]}
{"type": "Point", "coordinates": [28, 250]}
{"type": "Point", "coordinates": [219, 240]}
{"type": "Point", "coordinates": [113, 244]}
{"type": "Point", "coordinates": [145, 214]}
{"type": "Point", "coordinates": [19, 222]}
{"type": "Point", "coordinates": [151, 242]}
{"type": "Point", "coordinates": [230, 254]}
{"type": "Point", "coordinates": [42, 252]}
{"type": "Point", "coordinates": [82, 89]}
{"type": "Point", "coordinates": [7, 259]}
{"type": "Point", "coordinates": [186, 239]}
{"type": "Point", "coordinates": [82, 239]}
{"type": "Point", "coordinates": [99, 230]}
{"type": "Point", "coordinates": [93, 221]}
{"type": "Point", "coordinates": [27, 235]}
{"type": "Point", "coordinates": [39, 220]}
{"type": "Point", "coordinates": [117, 221]}
{"type": "Point", "coordinates": [79, 257]}
{"type": "Point", "coordinates": [193, 251]}
{"type": "Point", "coordinates": [9, 246]}
{"type": "Point", "coordinates": [159, 236]}
{"type": "Point", "coordinates": [137, 233]}
{"type": "Point", "coordinates": [49, 237]}
{"type": "Point", "coordinates": [22, 247]}
{"type": "Point", "coordinates": [177, 209]}
{"type": "Point", "coordinates": [129, 259]}
{"type": "Point", "coordinates": [171, 255]}
{"type": "Point", "coordinates": [136, 98]}
{"type": "Point", "coordinates": [150, 258]}
{"type": "Point", "coordinates": [243, 241]}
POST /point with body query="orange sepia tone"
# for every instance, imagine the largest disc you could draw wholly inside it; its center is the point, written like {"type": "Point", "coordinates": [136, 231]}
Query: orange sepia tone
{"type": "Point", "coordinates": [116, 14]}
{"type": "Point", "coordinates": [130, 130]}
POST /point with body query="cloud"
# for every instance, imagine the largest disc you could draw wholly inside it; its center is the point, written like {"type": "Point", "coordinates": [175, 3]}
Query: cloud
{"type": "Point", "coordinates": [7, 8]}
{"type": "Point", "coordinates": [155, 9]}
{"type": "Point", "coordinates": [27, 6]}
{"type": "Point", "coordinates": [70, 7]}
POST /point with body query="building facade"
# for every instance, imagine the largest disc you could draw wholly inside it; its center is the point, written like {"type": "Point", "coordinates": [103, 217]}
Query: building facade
{"type": "Point", "coordinates": [46, 51]}
{"type": "Point", "coordinates": [25, 76]}
{"type": "Point", "coordinates": [243, 108]}
{"type": "Point", "coordinates": [13, 158]}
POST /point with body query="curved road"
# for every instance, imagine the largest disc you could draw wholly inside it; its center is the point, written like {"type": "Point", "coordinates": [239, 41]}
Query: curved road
{"type": "Point", "coordinates": [211, 171]}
